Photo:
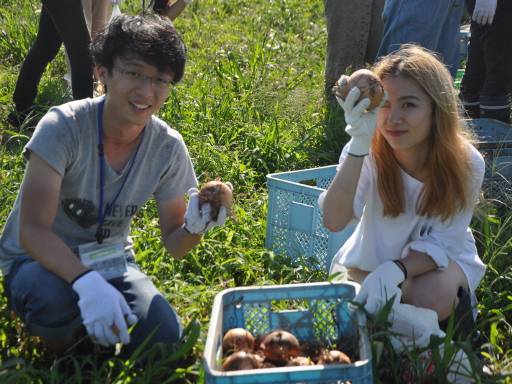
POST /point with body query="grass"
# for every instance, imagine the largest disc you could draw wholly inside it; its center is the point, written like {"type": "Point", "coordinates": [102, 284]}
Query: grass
{"type": "Point", "coordinates": [251, 103]}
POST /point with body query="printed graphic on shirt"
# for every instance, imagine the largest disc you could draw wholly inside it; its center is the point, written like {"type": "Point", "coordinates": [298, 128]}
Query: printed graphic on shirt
{"type": "Point", "coordinates": [85, 214]}
{"type": "Point", "coordinates": [425, 230]}
{"type": "Point", "coordinates": [82, 211]}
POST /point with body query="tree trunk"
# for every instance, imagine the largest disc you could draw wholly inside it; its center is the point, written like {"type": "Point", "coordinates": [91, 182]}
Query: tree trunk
{"type": "Point", "coordinates": [354, 31]}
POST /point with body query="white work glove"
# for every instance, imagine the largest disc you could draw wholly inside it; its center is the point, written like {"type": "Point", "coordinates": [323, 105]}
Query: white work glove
{"type": "Point", "coordinates": [413, 326]}
{"type": "Point", "coordinates": [360, 122]}
{"type": "Point", "coordinates": [380, 286]}
{"type": "Point", "coordinates": [198, 220]}
{"type": "Point", "coordinates": [484, 11]}
{"type": "Point", "coordinates": [104, 310]}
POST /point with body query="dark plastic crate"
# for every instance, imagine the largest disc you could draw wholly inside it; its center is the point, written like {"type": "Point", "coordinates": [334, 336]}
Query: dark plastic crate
{"type": "Point", "coordinates": [494, 141]}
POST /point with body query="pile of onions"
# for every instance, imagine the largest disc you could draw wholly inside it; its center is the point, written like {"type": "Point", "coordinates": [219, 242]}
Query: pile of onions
{"type": "Point", "coordinates": [241, 350]}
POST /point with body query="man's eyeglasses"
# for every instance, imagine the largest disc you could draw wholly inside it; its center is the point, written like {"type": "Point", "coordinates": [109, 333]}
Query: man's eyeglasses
{"type": "Point", "coordinates": [161, 83]}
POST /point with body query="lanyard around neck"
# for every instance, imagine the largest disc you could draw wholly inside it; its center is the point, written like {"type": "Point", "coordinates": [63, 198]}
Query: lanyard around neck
{"type": "Point", "coordinates": [102, 212]}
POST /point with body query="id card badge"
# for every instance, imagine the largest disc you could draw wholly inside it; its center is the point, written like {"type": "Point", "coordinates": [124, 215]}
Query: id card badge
{"type": "Point", "coordinates": [108, 259]}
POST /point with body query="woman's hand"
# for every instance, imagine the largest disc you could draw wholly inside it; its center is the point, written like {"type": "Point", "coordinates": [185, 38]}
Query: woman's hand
{"type": "Point", "coordinates": [360, 122]}
{"type": "Point", "coordinates": [380, 286]}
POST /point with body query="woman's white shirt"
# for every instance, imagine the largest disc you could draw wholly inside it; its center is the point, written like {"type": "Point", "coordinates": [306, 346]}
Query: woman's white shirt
{"type": "Point", "coordinates": [378, 238]}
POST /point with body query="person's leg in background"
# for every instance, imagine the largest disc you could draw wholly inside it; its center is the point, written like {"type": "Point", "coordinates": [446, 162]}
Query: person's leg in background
{"type": "Point", "coordinates": [69, 20]}
{"type": "Point", "coordinates": [45, 48]}
{"type": "Point", "coordinates": [100, 15]}
{"type": "Point", "coordinates": [406, 22]}
{"type": "Point", "coordinates": [449, 38]}
{"type": "Point", "coordinates": [96, 15]}
{"type": "Point", "coordinates": [495, 98]}
{"type": "Point", "coordinates": [417, 21]}
{"type": "Point", "coordinates": [474, 73]}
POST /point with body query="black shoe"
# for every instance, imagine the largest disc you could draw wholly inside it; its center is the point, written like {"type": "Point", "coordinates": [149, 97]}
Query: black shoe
{"type": "Point", "coordinates": [159, 6]}
{"type": "Point", "coordinates": [17, 118]}
{"type": "Point", "coordinates": [464, 324]}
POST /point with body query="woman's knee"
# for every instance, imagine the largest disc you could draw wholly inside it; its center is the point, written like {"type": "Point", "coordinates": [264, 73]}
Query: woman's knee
{"type": "Point", "coordinates": [436, 290]}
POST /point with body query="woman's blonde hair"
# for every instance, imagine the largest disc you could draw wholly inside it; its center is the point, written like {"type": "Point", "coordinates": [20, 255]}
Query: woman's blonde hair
{"type": "Point", "coordinates": [447, 170]}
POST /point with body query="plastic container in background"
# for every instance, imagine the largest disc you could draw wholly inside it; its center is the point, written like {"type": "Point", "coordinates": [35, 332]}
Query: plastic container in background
{"type": "Point", "coordinates": [495, 143]}
{"type": "Point", "coordinates": [317, 312]}
{"type": "Point", "coordinates": [295, 221]}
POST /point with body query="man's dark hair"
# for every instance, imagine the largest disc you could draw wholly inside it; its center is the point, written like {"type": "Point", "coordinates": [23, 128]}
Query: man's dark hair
{"type": "Point", "coordinates": [148, 37]}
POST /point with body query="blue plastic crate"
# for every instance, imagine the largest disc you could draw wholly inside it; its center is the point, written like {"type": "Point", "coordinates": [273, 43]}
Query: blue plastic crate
{"type": "Point", "coordinates": [312, 312]}
{"type": "Point", "coordinates": [295, 221]}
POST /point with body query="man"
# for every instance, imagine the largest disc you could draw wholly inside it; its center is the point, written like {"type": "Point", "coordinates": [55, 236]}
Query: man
{"type": "Point", "coordinates": [65, 251]}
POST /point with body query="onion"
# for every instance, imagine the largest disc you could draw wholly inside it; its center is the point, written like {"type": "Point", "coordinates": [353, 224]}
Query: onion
{"type": "Point", "coordinates": [300, 361]}
{"type": "Point", "coordinates": [334, 357]}
{"type": "Point", "coordinates": [237, 339]}
{"type": "Point", "coordinates": [241, 360]}
{"type": "Point", "coordinates": [268, 364]}
{"type": "Point", "coordinates": [367, 82]}
{"type": "Point", "coordinates": [217, 194]}
{"type": "Point", "coordinates": [280, 346]}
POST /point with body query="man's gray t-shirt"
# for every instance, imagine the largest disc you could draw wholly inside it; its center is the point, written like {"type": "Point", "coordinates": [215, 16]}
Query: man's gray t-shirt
{"type": "Point", "coordinates": [67, 139]}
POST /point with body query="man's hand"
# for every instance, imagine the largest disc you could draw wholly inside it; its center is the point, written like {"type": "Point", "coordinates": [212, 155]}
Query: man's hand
{"type": "Point", "coordinates": [484, 11]}
{"type": "Point", "coordinates": [360, 122]}
{"type": "Point", "coordinates": [198, 218]}
{"type": "Point", "coordinates": [380, 286]}
{"type": "Point", "coordinates": [103, 309]}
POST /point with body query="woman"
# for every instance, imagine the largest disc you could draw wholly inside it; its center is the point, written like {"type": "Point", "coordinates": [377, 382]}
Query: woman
{"type": "Point", "coordinates": [412, 178]}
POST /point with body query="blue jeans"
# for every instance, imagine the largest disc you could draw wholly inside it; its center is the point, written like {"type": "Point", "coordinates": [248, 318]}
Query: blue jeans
{"type": "Point", "coordinates": [433, 24]}
{"type": "Point", "coordinates": [48, 305]}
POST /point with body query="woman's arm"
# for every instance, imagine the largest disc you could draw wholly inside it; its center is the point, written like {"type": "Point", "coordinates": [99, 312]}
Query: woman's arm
{"type": "Point", "coordinates": [339, 200]}
{"type": "Point", "coordinates": [417, 263]}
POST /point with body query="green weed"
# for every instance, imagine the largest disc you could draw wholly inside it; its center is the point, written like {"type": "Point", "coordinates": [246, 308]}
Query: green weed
{"type": "Point", "coordinates": [251, 103]}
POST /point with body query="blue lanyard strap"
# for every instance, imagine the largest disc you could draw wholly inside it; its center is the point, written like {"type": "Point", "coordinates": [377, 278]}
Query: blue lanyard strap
{"type": "Point", "coordinates": [102, 212]}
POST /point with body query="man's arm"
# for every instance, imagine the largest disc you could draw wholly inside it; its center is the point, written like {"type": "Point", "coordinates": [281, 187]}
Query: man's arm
{"type": "Point", "coordinates": [39, 203]}
{"type": "Point", "coordinates": [172, 217]}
